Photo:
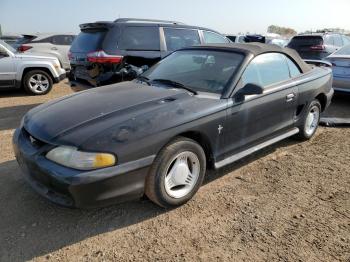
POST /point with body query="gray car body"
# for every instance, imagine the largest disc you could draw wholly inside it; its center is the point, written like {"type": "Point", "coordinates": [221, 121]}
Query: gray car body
{"type": "Point", "coordinates": [341, 71]}
{"type": "Point", "coordinates": [14, 65]}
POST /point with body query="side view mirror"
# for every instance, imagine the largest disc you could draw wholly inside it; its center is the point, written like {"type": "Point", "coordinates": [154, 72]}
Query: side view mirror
{"type": "Point", "coordinates": [250, 89]}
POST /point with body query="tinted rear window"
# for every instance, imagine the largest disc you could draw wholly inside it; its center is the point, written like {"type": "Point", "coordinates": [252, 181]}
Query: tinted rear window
{"type": "Point", "coordinates": [62, 39]}
{"type": "Point", "coordinates": [306, 41]}
{"type": "Point", "coordinates": [140, 38]}
{"type": "Point", "coordinates": [88, 41]}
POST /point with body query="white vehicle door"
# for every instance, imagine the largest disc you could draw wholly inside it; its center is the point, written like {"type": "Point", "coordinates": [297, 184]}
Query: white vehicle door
{"type": "Point", "coordinates": [7, 68]}
{"type": "Point", "coordinates": [62, 43]}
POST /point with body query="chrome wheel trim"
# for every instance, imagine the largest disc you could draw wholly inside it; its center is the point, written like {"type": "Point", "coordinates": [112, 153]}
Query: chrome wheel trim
{"type": "Point", "coordinates": [38, 83]}
{"type": "Point", "coordinates": [312, 120]}
{"type": "Point", "coordinates": [182, 174]}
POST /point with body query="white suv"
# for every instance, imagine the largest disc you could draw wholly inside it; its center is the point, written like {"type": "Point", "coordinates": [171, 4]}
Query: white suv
{"type": "Point", "coordinates": [54, 44]}
{"type": "Point", "coordinates": [35, 72]}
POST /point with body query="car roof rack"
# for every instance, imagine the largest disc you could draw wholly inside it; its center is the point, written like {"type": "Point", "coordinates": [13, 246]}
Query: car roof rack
{"type": "Point", "coordinates": [130, 20]}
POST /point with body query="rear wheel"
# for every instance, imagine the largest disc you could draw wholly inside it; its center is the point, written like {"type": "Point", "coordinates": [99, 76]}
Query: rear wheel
{"type": "Point", "coordinates": [177, 173]}
{"type": "Point", "coordinates": [37, 82]}
{"type": "Point", "coordinates": [310, 121]}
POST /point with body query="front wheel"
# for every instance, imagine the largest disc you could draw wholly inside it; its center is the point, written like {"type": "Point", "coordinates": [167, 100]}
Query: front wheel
{"type": "Point", "coordinates": [37, 82]}
{"type": "Point", "coordinates": [177, 173]}
{"type": "Point", "coordinates": [310, 121]}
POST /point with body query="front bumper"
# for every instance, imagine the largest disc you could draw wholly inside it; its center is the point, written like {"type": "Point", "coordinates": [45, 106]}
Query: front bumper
{"type": "Point", "coordinates": [60, 77]}
{"type": "Point", "coordinates": [74, 188]}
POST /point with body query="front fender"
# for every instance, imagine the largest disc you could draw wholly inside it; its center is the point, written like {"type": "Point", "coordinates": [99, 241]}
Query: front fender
{"type": "Point", "coordinates": [36, 65]}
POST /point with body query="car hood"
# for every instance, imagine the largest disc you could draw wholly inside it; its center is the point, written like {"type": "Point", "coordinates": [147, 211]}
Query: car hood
{"type": "Point", "coordinates": [36, 56]}
{"type": "Point", "coordinates": [101, 108]}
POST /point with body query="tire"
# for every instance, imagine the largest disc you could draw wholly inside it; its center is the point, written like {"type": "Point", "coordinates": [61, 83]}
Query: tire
{"type": "Point", "coordinates": [37, 82]}
{"type": "Point", "coordinates": [168, 183]}
{"type": "Point", "coordinates": [309, 125]}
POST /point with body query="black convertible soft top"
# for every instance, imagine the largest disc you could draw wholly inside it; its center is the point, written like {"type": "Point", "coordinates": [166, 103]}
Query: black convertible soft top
{"type": "Point", "coordinates": [259, 48]}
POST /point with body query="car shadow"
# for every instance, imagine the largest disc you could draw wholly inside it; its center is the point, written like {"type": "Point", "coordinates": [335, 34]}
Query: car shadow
{"type": "Point", "coordinates": [340, 106]}
{"type": "Point", "coordinates": [213, 174]}
{"type": "Point", "coordinates": [11, 92]}
{"type": "Point", "coordinates": [32, 226]}
{"type": "Point", "coordinates": [10, 117]}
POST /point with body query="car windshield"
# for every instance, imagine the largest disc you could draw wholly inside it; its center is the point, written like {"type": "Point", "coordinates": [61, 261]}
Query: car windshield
{"type": "Point", "coordinates": [7, 46]}
{"type": "Point", "coordinates": [344, 51]}
{"type": "Point", "coordinates": [198, 70]}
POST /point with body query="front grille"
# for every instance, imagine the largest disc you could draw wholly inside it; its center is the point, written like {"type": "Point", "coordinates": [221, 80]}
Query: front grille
{"type": "Point", "coordinates": [32, 140]}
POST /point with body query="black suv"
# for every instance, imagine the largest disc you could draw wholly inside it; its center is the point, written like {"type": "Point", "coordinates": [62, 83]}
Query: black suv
{"type": "Point", "coordinates": [318, 46]}
{"type": "Point", "coordinates": [109, 52]}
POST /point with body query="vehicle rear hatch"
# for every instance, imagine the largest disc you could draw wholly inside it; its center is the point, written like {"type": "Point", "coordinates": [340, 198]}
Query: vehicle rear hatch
{"type": "Point", "coordinates": [21, 42]}
{"type": "Point", "coordinates": [341, 65]}
{"type": "Point", "coordinates": [85, 45]}
{"type": "Point", "coordinates": [308, 46]}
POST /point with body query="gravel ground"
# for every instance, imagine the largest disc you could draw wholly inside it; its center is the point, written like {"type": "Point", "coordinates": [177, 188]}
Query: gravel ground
{"type": "Point", "coordinates": [289, 202]}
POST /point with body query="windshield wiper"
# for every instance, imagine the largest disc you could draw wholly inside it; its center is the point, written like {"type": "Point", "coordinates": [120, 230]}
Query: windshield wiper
{"type": "Point", "coordinates": [175, 84]}
{"type": "Point", "coordinates": [144, 79]}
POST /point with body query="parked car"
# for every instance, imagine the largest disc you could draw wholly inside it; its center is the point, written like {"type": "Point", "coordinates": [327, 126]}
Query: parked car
{"type": "Point", "coordinates": [200, 107]}
{"type": "Point", "coordinates": [279, 42]}
{"type": "Point", "coordinates": [54, 44]}
{"type": "Point", "coordinates": [110, 52]}
{"type": "Point", "coordinates": [35, 73]}
{"type": "Point", "coordinates": [318, 46]}
{"type": "Point", "coordinates": [341, 69]}
{"type": "Point", "coordinates": [255, 39]}
{"type": "Point", "coordinates": [10, 39]}
{"type": "Point", "coordinates": [236, 38]}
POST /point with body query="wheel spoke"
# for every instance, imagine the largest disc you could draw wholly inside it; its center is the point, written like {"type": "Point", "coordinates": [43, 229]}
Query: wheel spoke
{"type": "Point", "coordinates": [180, 178]}
{"type": "Point", "coordinates": [312, 121]}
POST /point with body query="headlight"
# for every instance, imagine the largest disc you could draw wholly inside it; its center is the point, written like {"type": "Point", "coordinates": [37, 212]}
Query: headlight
{"type": "Point", "coordinates": [71, 157]}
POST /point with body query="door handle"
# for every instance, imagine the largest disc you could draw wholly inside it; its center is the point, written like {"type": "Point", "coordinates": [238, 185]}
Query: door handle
{"type": "Point", "coordinates": [54, 48]}
{"type": "Point", "coordinates": [290, 97]}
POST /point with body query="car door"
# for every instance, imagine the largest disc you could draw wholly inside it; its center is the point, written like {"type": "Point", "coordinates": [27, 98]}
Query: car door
{"type": "Point", "coordinates": [177, 38]}
{"type": "Point", "coordinates": [258, 118]}
{"type": "Point", "coordinates": [61, 45]}
{"type": "Point", "coordinates": [7, 68]}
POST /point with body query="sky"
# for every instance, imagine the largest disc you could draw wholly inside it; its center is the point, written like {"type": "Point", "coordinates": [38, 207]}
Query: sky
{"type": "Point", "coordinates": [225, 16]}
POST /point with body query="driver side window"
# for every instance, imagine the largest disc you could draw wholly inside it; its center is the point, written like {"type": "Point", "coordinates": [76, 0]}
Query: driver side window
{"type": "Point", "coordinates": [266, 69]}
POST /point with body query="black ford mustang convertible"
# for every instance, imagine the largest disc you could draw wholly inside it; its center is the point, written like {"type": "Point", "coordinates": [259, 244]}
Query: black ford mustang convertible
{"type": "Point", "coordinates": [201, 107]}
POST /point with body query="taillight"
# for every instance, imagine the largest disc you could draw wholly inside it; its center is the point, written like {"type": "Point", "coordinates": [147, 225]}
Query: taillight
{"type": "Point", "coordinates": [102, 57]}
{"type": "Point", "coordinates": [24, 48]}
{"type": "Point", "coordinates": [70, 56]}
{"type": "Point", "coordinates": [318, 47]}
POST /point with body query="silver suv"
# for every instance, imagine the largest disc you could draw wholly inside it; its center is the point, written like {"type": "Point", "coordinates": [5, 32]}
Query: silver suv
{"type": "Point", "coordinates": [35, 72]}
{"type": "Point", "coordinates": [54, 44]}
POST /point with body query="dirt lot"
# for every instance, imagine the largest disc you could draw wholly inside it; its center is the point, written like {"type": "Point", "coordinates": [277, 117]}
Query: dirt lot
{"type": "Point", "coordinates": [290, 202]}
